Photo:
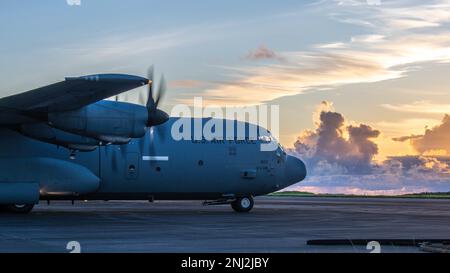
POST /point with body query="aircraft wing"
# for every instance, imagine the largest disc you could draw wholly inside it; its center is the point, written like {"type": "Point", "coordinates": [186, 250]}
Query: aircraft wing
{"type": "Point", "coordinates": [70, 94]}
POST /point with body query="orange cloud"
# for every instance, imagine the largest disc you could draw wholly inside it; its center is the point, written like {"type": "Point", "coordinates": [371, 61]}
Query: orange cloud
{"type": "Point", "coordinates": [422, 107]}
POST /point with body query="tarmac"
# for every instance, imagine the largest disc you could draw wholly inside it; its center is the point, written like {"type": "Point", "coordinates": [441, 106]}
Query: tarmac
{"type": "Point", "coordinates": [276, 224]}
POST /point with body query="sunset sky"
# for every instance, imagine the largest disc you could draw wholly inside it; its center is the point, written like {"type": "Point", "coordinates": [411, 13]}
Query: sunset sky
{"type": "Point", "coordinates": [385, 64]}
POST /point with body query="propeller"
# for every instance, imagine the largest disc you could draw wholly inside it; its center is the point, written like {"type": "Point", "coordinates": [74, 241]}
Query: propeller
{"type": "Point", "coordinates": [155, 115]}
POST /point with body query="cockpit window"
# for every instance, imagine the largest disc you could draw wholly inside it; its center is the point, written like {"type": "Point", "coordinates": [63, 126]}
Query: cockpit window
{"type": "Point", "coordinates": [265, 139]}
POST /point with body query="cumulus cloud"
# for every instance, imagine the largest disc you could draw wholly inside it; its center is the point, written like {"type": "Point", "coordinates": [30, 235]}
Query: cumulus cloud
{"type": "Point", "coordinates": [434, 139]}
{"type": "Point", "coordinates": [340, 159]}
{"type": "Point", "coordinates": [324, 106]}
{"type": "Point", "coordinates": [376, 184]}
{"type": "Point", "coordinates": [327, 150]}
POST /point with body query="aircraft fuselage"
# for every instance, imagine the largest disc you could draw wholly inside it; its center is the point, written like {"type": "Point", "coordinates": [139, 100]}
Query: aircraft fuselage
{"type": "Point", "coordinates": [149, 168]}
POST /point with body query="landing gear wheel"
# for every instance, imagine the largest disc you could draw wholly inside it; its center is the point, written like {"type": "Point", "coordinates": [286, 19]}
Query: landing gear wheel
{"type": "Point", "coordinates": [20, 209]}
{"type": "Point", "coordinates": [243, 204]}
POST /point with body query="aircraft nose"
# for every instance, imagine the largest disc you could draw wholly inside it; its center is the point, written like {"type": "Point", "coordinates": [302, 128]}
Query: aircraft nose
{"type": "Point", "coordinates": [295, 170]}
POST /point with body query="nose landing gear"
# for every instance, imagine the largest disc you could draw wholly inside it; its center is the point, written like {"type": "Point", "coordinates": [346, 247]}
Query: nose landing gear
{"type": "Point", "coordinates": [243, 204]}
{"type": "Point", "coordinates": [239, 204]}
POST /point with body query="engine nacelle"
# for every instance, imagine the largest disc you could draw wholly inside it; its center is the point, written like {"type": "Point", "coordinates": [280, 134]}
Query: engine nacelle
{"type": "Point", "coordinates": [22, 180]}
{"type": "Point", "coordinates": [104, 120]}
{"type": "Point", "coordinates": [45, 133]}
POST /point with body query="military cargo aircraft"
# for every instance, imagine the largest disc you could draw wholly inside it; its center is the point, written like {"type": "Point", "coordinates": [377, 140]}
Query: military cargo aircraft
{"type": "Point", "coordinates": [66, 141]}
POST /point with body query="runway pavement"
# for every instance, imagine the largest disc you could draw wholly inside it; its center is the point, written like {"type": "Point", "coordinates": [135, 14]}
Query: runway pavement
{"type": "Point", "coordinates": [276, 224]}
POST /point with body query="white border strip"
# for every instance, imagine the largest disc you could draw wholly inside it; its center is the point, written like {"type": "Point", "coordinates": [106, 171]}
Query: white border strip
{"type": "Point", "coordinates": [155, 158]}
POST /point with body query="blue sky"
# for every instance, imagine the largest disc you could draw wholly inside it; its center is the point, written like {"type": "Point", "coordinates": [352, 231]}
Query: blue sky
{"type": "Point", "coordinates": [320, 51]}
{"type": "Point", "coordinates": [384, 65]}
{"type": "Point", "coordinates": [183, 39]}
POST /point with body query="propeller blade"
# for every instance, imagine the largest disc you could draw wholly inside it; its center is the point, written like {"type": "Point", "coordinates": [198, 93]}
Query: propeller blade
{"type": "Point", "coordinates": [155, 115]}
{"type": "Point", "coordinates": [123, 150]}
{"type": "Point", "coordinates": [161, 90]}
{"type": "Point", "coordinates": [161, 131]}
{"type": "Point", "coordinates": [141, 144]}
{"type": "Point", "coordinates": [151, 143]}
{"type": "Point", "coordinates": [150, 100]}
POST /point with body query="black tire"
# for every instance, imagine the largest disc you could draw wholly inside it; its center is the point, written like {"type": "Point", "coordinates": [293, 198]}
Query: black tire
{"type": "Point", "coordinates": [19, 209]}
{"type": "Point", "coordinates": [243, 204]}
